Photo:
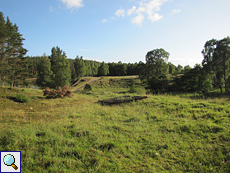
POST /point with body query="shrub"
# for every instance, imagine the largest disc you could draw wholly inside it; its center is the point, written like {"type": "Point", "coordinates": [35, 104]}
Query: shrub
{"type": "Point", "coordinates": [22, 98]}
{"type": "Point", "coordinates": [133, 89]}
{"type": "Point", "coordinates": [87, 87]}
{"type": "Point", "coordinates": [58, 93]}
{"type": "Point", "coordinates": [34, 97]}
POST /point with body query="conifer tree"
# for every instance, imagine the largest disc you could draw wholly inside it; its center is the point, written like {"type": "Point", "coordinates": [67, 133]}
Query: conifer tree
{"type": "Point", "coordinates": [79, 66]}
{"type": "Point", "coordinates": [2, 47]}
{"type": "Point", "coordinates": [12, 62]}
{"type": "Point", "coordinates": [60, 67]}
{"type": "Point", "coordinates": [94, 68]}
{"type": "Point", "coordinates": [103, 69]}
{"type": "Point", "coordinates": [45, 74]}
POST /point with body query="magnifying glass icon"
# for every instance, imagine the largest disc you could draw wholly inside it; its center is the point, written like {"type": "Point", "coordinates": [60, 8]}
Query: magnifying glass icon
{"type": "Point", "coordinates": [9, 160]}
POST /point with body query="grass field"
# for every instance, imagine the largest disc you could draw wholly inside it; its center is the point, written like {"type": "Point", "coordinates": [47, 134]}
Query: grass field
{"type": "Point", "coordinates": [165, 133]}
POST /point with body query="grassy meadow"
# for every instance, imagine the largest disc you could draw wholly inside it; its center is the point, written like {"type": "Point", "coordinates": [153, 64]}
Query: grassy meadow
{"type": "Point", "coordinates": [164, 133]}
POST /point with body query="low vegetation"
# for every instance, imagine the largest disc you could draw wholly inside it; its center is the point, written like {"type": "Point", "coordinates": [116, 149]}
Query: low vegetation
{"type": "Point", "coordinates": [22, 98]}
{"type": "Point", "coordinates": [165, 133]}
{"type": "Point", "coordinates": [133, 89]}
{"type": "Point", "coordinates": [87, 87]}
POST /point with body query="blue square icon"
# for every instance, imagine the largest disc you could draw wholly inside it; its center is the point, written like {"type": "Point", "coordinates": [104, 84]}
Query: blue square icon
{"type": "Point", "coordinates": [10, 161]}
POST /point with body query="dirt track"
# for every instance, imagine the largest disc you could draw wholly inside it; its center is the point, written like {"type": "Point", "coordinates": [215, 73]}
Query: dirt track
{"type": "Point", "coordinates": [91, 81]}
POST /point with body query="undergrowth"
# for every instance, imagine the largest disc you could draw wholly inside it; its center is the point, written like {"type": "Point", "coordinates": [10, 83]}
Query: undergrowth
{"type": "Point", "coordinates": [165, 133]}
{"type": "Point", "coordinates": [22, 98]}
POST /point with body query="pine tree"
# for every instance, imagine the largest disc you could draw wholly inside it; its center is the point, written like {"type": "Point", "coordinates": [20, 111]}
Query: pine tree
{"type": "Point", "coordinates": [94, 68]}
{"type": "Point", "coordinates": [45, 74]}
{"type": "Point", "coordinates": [103, 69]}
{"type": "Point", "coordinates": [13, 63]}
{"type": "Point", "coordinates": [72, 69]}
{"type": "Point", "coordinates": [2, 47]}
{"type": "Point", "coordinates": [79, 66]}
{"type": "Point", "coordinates": [60, 67]}
{"type": "Point", "coordinates": [15, 54]}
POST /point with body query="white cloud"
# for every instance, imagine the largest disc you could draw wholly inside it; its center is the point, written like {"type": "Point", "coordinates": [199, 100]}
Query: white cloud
{"type": "Point", "coordinates": [148, 7]}
{"type": "Point", "coordinates": [152, 7]}
{"type": "Point", "coordinates": [175, 11]}
{"type": "Point", "coordinates": [131, 11]}
{"type": "Point", "coordinates": [111, 61]}
{"type": "Point", "coordinates": [138, 19]}
{"type": "Point", "coordinates": [91, 59]}
{"type": "Point", "coordinates": [73, 3]}
{"type": "Point", "coordinates": [120, 13]}
{"type": "Point", "coordinates": [107, 20]}
{"type": "Point", "coordinates": [103, 20]}
{"type": "Point", "coordinates": [155, 17]}
{"type": "Point", "coordinates": [141, 10]}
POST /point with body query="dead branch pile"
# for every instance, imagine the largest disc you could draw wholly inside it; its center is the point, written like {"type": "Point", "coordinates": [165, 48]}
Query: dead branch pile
{"type": "Point", "coordinates": [58, 93]}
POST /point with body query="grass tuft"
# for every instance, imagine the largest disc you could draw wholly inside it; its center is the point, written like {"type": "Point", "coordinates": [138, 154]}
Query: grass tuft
{"type": "Point", "coordinates": [22, 98]}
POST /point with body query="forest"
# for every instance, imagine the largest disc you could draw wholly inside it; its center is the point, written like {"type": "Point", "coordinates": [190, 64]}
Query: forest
{"type": "Point", "coordinates": [57, 70]}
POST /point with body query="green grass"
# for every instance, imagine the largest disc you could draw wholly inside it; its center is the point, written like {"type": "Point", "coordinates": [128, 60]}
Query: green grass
{"type": "Point", "coordinates": [22, 98]}
{"type": "Point", "coordinates": [165, 133]}
{"type": "Point", "coordinates": [81, 82]}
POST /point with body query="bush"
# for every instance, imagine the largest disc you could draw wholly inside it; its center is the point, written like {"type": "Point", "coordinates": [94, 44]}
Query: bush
{"type": "Point", "coordinates": [4, 96]}
{"type": "Point", "coordinates": [133, 89]}
{"type": "Point", "coordinates": [22, 98]}
{"type": "Point", "coordinates": [87, 87]}
{"type": "Point", "coordinates": [58, 93]}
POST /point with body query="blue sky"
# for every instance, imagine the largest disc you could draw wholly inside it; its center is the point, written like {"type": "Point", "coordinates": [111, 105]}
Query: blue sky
{"type": "Point", "coordinates": [120, 30]}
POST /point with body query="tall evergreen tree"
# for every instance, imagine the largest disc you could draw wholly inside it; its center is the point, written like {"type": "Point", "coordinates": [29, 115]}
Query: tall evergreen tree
{"type": "Point", "coordinates": [33, 63]}
{"type": "Point", "coordinates": [122, 68]}
{"type": "Point", "coordinates": [60, 67]}
{"type": "Point", "coordinates": [14, 69]}
{"type": "Point", "coordinates": [45, 74]}
{"type": "Point", "coordinates": [103, 69]}
{"type": "Point", "coordinates": [2, 47]}
{"type": "Point", "coordinates": [72, 69]}
{"type": "Point", "coordinates": [79, 66]}
{"type": "Point", "coordinates": [94, 68]}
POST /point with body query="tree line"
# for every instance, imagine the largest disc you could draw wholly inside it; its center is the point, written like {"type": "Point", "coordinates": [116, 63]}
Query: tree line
{"type": "Point", "coordinates": [213, 73]}
{"type": "Point", "coordinates": [57, 70]}
{"type": "Point", "coordinates": [43, 68]}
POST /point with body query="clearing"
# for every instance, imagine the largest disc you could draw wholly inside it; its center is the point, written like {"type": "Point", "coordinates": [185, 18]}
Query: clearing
{"type": "Point", "coordinates": [165, 133]}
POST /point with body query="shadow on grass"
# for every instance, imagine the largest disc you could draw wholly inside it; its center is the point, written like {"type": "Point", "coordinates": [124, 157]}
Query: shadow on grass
{"type": "Point", "coordinates": [123, 92]}
{"type": "Point", "coordinates": [12, 98]}
{"type": "Point", "coordinates": [15, 99]}
{"type": "Point", "coordinates": [37, 97]}
{"type": "Point", "coordinates": [211, 95]}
